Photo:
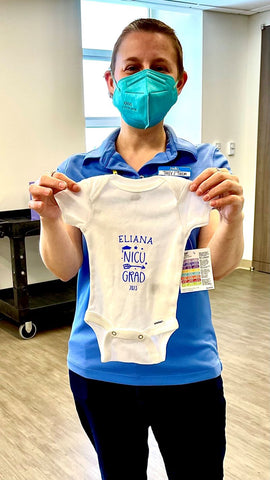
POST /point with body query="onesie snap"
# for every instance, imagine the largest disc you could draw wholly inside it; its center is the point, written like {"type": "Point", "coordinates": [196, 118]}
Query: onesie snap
{"type": "Point", "coordinates": [136, 231]}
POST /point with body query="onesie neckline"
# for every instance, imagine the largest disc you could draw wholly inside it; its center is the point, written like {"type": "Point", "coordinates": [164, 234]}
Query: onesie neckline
{"type": "Point", "coordinates": [137, 184]}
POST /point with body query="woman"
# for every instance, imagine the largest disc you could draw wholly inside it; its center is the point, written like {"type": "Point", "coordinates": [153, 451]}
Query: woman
{"type": "Point", "coordinates": [181, 398]}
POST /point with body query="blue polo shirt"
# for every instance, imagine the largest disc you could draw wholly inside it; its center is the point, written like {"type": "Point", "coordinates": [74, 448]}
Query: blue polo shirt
{"type": "Point", "coordinates": [192, 353]}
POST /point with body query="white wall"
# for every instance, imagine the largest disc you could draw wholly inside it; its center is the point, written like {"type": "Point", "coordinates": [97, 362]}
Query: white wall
{"type": "Point", "coordinates": [231, 72]}
{"type": "Point", "coordinates": [185, 116]}
{"type": "Point", "coordinates": [41, 114]}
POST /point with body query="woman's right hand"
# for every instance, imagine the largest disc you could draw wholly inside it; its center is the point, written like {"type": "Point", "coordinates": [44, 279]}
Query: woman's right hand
{"type": "Point", "coordinates": [43, 191]}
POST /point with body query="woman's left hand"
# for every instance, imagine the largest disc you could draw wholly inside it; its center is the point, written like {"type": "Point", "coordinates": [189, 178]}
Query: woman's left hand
{"type": "Point", "coordinates": [222, 190]}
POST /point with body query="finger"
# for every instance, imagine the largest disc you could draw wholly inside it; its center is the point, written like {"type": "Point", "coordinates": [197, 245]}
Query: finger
{"type": "Point", "coordinates": [218, 178]}
{"type": "Point", "coordinates": [49, 182]}
{"type": "Point", "coordinates": [42, 209]}
{"type": "Point", "coordinates": [202, 177]}
{"type": "Point", "coordinates": [236, 201]}
{"type": "Point", "coordinates": [36, 205]}
{"type": "Point", "coordinates": [214, 180]}
{"type": "Point", "coordinates": [226, 187]}
{"type": "Point", "coordinates": [199, 181]}
{"type": "Point", "coordinates": [71, 185]}
{"type": "Point", "coordinates": [38, 192]}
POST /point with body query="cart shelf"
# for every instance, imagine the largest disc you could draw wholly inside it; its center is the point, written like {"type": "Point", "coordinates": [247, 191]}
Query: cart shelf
{"type": "Point", "coordinates": [27, 304]}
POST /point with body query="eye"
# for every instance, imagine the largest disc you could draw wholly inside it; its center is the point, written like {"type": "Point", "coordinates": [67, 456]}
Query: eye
{"type": "Point", "coordinates": [131, 68]}
{"type": "Point", "coordinates": [160, 68]}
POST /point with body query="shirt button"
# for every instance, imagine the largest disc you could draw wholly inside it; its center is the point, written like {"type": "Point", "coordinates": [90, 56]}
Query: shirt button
{"type": "Point", "coordinates": [140, 337]}
{"type": "Point", "coordinates": [114, 333]}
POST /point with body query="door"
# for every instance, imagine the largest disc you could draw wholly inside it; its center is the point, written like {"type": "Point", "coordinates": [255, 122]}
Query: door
{"type": "Point", "coordinates": [261, 243]}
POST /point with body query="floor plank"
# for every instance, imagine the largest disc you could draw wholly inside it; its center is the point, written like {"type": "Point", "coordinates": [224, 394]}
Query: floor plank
{"type": "Point", "coordinates": [40, 435]}
{"type": "Point", "coordinates": [241, 313]}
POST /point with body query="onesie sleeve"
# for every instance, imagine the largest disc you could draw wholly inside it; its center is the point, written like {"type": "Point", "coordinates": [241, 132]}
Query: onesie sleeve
{"type": "Point", "coordinates": [75, 207]}
{"type": "Point", "coordinates": [194, 211]}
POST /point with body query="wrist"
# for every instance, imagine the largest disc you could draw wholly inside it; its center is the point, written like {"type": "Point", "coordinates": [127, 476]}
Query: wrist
{"type": "Point", "coordinates": [232, 230]}
{"type": "Point", "coordinates": [51, 222]}
{"type": "Point", "coordinates": [236, 221]}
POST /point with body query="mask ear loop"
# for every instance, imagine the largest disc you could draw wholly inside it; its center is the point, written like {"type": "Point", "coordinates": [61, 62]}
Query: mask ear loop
{"type": "Point", "coordinates": [114, 82]}
{"type": "Point", "coordinates": [115, 85]}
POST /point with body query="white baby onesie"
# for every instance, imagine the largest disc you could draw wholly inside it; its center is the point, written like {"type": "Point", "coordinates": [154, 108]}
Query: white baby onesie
{"type": "Point", "coordinates": [136, 231]}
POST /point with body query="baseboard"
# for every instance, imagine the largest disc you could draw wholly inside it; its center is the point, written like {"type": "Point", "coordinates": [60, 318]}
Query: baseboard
{"type": "Point", "coordinates": [245, 264]}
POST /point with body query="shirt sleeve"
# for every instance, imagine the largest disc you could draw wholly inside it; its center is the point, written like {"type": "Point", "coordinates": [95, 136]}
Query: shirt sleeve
{"type": "Point", "coordinates": [220, 161]}
{"type": "Point", "coordinates": [75, 207]}
{"type": "Point", "coordinates": [194, 211]}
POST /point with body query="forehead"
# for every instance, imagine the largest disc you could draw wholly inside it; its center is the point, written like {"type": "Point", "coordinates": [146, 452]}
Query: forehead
{"type": "Point", "coordinates": [147, 45]}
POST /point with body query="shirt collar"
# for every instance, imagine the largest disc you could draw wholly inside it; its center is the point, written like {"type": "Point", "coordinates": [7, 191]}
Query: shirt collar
{"type": "Point", "coordinates": [106, 149]}
{"type": "Point", "coordinates": [174, 145]}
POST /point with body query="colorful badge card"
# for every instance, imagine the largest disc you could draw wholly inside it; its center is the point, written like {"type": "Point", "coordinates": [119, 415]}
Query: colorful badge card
{"type": "Point", "coordinates": [197, 272]}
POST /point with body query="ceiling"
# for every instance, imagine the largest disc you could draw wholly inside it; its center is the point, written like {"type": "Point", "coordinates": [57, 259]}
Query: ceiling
{"type": "Point", "coordinates": [244, 7]}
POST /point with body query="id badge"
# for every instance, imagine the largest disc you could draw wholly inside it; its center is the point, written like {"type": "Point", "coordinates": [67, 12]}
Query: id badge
{"type": "Point", "coordinates": [174, 171]}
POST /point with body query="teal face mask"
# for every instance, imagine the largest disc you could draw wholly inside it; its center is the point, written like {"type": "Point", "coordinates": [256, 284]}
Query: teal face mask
{"type": "Point", "coordinates": [144, 98]}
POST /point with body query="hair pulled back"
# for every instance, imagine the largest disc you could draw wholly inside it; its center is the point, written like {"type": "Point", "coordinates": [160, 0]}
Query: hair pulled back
{"type": "Point", "coordinates": [150, 25]}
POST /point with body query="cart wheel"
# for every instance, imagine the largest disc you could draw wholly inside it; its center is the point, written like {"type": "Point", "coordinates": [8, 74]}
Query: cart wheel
{"type": "Point", "coordinates": [28, 330]}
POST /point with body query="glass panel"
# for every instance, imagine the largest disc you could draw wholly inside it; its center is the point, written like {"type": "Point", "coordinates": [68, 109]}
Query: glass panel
{"type": "Point", "coordinates": [95, 136]}
{"type": "Point", "coordinates": [97, 102]}
{"type": "Point", "coordinates": [102, 23]}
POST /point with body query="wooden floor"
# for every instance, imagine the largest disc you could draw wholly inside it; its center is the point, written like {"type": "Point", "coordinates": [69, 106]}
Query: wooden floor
{"type": "Point", "coordinates": [40, 435]}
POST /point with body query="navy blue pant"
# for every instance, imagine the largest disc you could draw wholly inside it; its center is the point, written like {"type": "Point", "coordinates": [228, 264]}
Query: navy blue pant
{"type": "Point", "coordinates": [188, 422]}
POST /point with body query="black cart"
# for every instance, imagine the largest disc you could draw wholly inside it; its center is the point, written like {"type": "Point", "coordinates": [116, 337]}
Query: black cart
{"type": "Point", "coordinates": [26, 304]}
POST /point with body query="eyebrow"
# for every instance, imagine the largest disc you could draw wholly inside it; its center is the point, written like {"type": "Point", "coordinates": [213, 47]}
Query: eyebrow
{"type": "Point", "coordinates": [136, 59]}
